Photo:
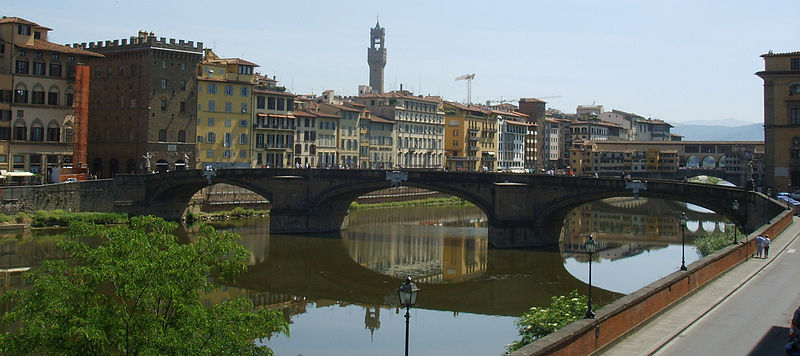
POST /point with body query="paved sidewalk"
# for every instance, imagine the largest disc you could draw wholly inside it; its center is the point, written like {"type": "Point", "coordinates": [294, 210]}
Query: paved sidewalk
{"type": "Point", "coordinates": [649, 337]}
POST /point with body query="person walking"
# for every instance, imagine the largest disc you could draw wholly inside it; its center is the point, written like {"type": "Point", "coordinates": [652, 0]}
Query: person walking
{"type": "Point", "coordinates": [759, 245]}
{"type": "Point", "coordinates": [766, 246]}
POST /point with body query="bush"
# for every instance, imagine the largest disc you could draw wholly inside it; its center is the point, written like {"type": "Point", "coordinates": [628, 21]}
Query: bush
{"type": "Point", "coordinates": [539, 321]}
{"type": "Point", "coordinates": [44, 218]}
{"type": "Point", "coordinates": [713, 242]}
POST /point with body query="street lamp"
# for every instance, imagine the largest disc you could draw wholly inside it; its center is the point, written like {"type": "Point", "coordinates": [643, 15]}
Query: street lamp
{"type": "Point", "coordinates": [735, 207]}
{"type": "Point", "coordinates": [590, 247]}
{"type": "Point", "coordinates": [408, 297]}
{"type": "Point", "coordinates": [683, 240]}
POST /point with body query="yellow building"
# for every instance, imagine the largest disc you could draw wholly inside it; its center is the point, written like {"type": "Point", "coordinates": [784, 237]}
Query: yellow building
{"type": "Point", "coordinates": [470, 137]}
{"type": "Point", "coordinates": [224, 111]}
{"type": "Point", "coordinates": [781, 77]}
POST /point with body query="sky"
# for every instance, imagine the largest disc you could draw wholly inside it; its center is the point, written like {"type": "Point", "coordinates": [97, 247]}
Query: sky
{"type": "Point", "coordinates": [682, 61]}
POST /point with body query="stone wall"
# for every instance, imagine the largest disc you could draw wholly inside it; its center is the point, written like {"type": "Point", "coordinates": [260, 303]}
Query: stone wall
{"type": "Point", "coordinates": [79, 196]}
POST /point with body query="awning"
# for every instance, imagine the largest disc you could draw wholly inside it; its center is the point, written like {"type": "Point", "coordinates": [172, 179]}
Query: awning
{"type": "Point", "coordinates": [18, 174]}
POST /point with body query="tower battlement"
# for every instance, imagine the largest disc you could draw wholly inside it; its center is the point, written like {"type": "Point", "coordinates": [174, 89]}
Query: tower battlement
{"type": "Point", "coordinates": [143, 40]}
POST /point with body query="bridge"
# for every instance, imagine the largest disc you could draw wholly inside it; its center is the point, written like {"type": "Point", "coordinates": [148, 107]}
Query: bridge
{"type": "Point", "coordinates": [523, 210]}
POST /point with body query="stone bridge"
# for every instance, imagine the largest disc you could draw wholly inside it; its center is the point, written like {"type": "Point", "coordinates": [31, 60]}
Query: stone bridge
{"type": "Point", "coordinates": [523, 210]}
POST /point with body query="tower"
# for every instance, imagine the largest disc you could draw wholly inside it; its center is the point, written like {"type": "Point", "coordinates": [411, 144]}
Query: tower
{"type": "Point", "coordinates": [376, 57]}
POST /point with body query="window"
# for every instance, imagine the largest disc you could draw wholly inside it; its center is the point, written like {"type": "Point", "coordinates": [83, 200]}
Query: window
{"type": "Point", "coordinates": [228, 142]}
{"type": "Point", "coordinates": [210, 121]}
{"type": "Point", "coordinates": [53, 134]}
{"type": "Point", "coordinates": [38, 68]}
{"type": "Point", "coordinates": [23, 29]}
{"type": "Point", "coordinates": [20, 132]}
{"type": "Point", "coordinates": [226, 154]}
{"type": "Point", "coordinates": [228, 106]}
{"type": "Point", "coordinates": [181, 136]}
{"type": "Point", "coordinates": [211, 106]}
{"type": "Point", "coordinates": [52, 98]}
{"type": "Point", "coordinates": [209, 153]}
{"type": "Point", "coordinates": [163, 84]}
{"type": "Point", "coordinates": [183, 106]}
{"type": "Point", "coordinates": [163, 104]}
{"type": "Point", "coordinates": [227, 122]}
{"type": "Point", "coordinates": [133, 102]}
{"type": "Point", "coordinates": [164, 64]}
{"type": "Point", "coordinates": [795, 63]}
{"type": "Point", "coordinates": [5, 133]}
{"type": "Point", "coordinates": [243, 139]}
{"type": "Point", "coordinates": [243, 123]}
{"type": "Point", "coordinates": [37, 96]}
{"type": "Point", "coordinates": [22, 67]}
{"type": "Point", "coordinates": [55, 56]}
{"type": "Point", "coordinates": [21, 96]}
{"type": "Point", "coordinates": [162, 135]}
{"type": "Point", "coordinates": [55, 69]}
{"type": "Point", "coordinates": [271, 103]}
{"type": "Point", "coordinates": [245, 69]}
{"type": "Point", "coordinates": [37, 133]}
{"type": "Point", "coordinates": [245, 91]}
{"type": "Point", "coordinates": [212, 88]}
{"type": "Point", "coordinates": [211, 137]}
{"type": "Point", "coordinates": [183, 66]}
{"type": "Point", "coordinates": [794, 89]}
{"type": "Point", "coordinates": [244, 108]}
{"type": "Point", "coordinates": [242, 154]}
{"type": "Point", "coordinates": [795, 116]}
{"type": "Point", "coordinates": [280, 104]}
{"type": "Point", "coordinates": [259, 102]}
{"type": "Point", "coordinates": [183, 85]}
{"type": "Point", "coordinates": [228, 90]}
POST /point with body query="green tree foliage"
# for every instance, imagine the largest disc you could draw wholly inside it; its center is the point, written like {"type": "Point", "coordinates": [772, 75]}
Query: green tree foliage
{"type": "Point", "coordinates": [539, 321]}
{"type": "Point", "coordinates": [137, 292]}
{"type": "Point", "coordinates": [713, 242]}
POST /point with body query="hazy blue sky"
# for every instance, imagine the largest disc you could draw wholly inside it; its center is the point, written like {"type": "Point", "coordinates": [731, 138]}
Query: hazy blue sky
{"type": "Point", "coordinates": [679, 61]}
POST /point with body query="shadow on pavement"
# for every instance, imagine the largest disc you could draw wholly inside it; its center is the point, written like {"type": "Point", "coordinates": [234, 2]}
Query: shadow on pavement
{"type": "Point", "coordinates": [773, 342]}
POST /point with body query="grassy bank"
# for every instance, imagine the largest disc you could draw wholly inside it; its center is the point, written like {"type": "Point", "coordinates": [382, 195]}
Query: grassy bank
{"type": "Point", "coordinates": [61, 218]}
{"type": "Point", "coordinates": [235, 213]}
{"type": "Point", "coordinates": [713, 242]}
{"type": "Point", "coordinates": [399, 204]}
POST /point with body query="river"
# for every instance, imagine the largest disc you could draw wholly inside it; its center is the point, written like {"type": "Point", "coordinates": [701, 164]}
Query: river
{"type": "Point", "coordinates": [339, 291]}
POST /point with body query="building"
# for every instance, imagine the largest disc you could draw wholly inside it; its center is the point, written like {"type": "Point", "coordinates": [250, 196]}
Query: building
{"type": "Point", "coordinates": [471, 137]}
{"type": "Point", "coordinates": [41, 101]}
{"type": "Point", "coordinates": [418, 125]}
{"type": "Point", "coordinates": [511, 140]}
{"type": "Point", "coordinates": [376, 58]}
{"type": "Point", "coordinates": [224, 112]}
{"type": "Point", "coordinates": [536, 110]}
{"type": "Point", "coordinates": [551, 139]}
{"type": "Point", "coordinates": [144, 117]}
{"type": "Point", "coordinates": [380, 136]}
{"type": "Point", "coordinates": [274, 128]}
{"type": "Point", "coordinates": [781, 77]}
{"type": "Point", "coordinates": [348, 132]}
{"type": "Point", "coordinates": [305, 151]}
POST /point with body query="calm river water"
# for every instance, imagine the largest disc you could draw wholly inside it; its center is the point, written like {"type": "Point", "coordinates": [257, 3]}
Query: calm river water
{"type": "Point", "coordinates": [339, 292]}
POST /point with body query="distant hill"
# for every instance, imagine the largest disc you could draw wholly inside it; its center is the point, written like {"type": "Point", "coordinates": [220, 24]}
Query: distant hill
{"type": "Point", "coordinates": [692, 132]}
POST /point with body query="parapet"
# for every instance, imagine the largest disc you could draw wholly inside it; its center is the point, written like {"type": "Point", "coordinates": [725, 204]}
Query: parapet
{"type": "Point", "coordinates": [141, 41]}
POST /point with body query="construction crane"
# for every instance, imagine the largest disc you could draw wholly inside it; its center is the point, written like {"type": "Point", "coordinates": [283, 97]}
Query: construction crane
{"type": "Point", "coordinates": [468, 78]}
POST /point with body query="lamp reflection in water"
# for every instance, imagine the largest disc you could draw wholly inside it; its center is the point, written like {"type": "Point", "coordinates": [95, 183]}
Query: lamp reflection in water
{"type": "Point", "coordinates": [408, 297]}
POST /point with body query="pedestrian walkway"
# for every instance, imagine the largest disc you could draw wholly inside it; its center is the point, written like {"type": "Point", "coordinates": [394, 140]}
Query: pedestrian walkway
{"type": "Point", "coordinates": [650, 337]}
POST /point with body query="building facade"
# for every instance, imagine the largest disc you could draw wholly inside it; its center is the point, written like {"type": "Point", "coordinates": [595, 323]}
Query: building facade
{"type": "Point", "coordinates": [418, 125]}
{"type": "Point", "coordinates": [144, 117]}
{"type": "Point", "coordinates": [224, 112]}
{"type": "Point", "coordinates": [40, 94]}
{"type": "Point", "coordinates": [511, 141]}
{"type": "Point", "coordinates": [781, 77]}
{"type": "Point", "coordinates": [274, 128]}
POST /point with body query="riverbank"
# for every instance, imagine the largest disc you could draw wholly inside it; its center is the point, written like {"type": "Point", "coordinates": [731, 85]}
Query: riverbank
{"type": "Point", "coordinates": [235, 213]}
{"type": "Point", "coordinates": [57, 218]}
{"type": "Point", "coordinates": [418, 202]}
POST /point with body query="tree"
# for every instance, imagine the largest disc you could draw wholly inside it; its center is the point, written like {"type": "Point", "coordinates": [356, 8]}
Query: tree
{"type": "Point", "coordinates": [538, 322]}
{"type": "Point", "coordinates": [137, 292]}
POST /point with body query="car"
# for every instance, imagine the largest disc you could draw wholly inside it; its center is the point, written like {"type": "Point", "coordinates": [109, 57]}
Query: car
{"type": "Point", "coordinates": [71, 180]}
{"type": "Point", "coordinates": [795, 195]}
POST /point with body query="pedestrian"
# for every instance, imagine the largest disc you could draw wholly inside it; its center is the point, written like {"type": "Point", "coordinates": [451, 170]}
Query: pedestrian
{"type": "Point", "coordinates": [759, 245]}
{"type": "Point", "coordinates": [766, 246]}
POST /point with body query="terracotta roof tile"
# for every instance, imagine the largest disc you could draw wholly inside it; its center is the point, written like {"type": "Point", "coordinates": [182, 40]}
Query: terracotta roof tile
{"type": "Point", "coordinates": [22, 21]}
{"type": "Point", "coordinates": [50, 46]}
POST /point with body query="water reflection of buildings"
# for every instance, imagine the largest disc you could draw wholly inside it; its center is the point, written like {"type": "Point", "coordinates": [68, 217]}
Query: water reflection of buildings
{"type": "Point", "coordinates": [625, 227]}
{"type": "Point", "coordinates": [255, 236]}
{"type": "Point", "coordinates": [428, 251]}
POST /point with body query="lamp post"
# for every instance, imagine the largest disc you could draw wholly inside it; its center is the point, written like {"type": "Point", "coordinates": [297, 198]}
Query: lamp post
{"type": "Point", "coordinates": [590, 247]}
{"type": "Point", "coordinates": [408, 297]}
{"type": "Point", "coordinates": [683, 240]}
{"type": "Point", "coordinates": [735, 207]}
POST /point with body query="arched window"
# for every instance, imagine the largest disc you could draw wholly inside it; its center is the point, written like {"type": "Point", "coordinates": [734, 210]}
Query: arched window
{"type": "Point", "coordinates": [68, 132]}
{"type": "Point", "coordinates": [53, 131]}
{"type": "Point", "coordinates": [37, 94]}
{"type": "Point", "coordinates": [20, 130]}
{"type": "Point", "coordinates": [162, 135]}
{"type": "Point", "coordinates": [37, 131]}
{"type": "Point", "coordinates": [21, 94]}
{"type": "Point", "coordinates": [52, 95]}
